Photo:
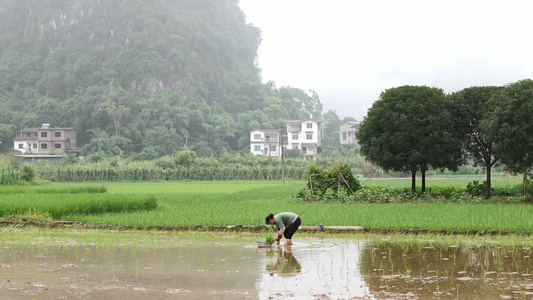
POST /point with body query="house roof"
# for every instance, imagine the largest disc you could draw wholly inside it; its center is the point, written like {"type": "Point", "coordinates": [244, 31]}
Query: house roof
{"type": "Point", "coordinates": [50, 128]}
{"type": "Point", "coordinates": [303, 120]}
{"type": "Point", "coordinates": [351, 122]}
{"type": "Point", "coordinates": [265, 130]}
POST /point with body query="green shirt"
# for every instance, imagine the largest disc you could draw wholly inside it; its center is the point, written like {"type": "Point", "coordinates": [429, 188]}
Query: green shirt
{"type": "Point", "coordinates": [284, 219]}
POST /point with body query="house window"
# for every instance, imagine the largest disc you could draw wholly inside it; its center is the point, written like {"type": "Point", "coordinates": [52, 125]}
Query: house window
{"type": "Point", "coordinates": [27, 134]}
{"type": "Point", "coordinates": [44, 146]}
{"type": "Point", "coordinates": [344, 135]}
{"type": "Point", "coordinates": [304, 150]}
{"type": "Point", "coordinates": [309, 136]}
{"type": "Point", "coordinates": [21, 146]}
{"type": "Point", "coordinates": [57, 145]}
{"type": "Point", "coordinates": [309, 125]}
{"type": "Point", "coordinates": [257, 148]}
{"type": "Point", "coordinates": [257, 136]}
{"type": "Point", "coordinates": [44, 134]}
{"type": "Point", "coordinates": [295, 147]}
{"type": "Point", "coordinates": [273, 148]}
{"type": "Point", "coordinates": [57, 134]}
{"type": "Point", "coordinates": [295, 136]}
{"type": "Point", "coordinates": [35, 146]}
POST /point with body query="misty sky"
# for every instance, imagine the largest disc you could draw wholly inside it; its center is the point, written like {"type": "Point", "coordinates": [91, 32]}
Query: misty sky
{"type": "Point", "coordinates": [349, 51]}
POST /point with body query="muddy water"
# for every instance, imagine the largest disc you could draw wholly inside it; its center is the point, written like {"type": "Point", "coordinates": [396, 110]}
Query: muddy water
{"type": "Point", "coordinates": [233, 267]}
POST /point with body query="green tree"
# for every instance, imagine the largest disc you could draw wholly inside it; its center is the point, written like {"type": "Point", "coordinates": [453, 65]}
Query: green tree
{"type": "Point", "coordinates": [511, 128]}
{"type": "Point", "coordinates": [114, 107]}
{"type": "Point", "coordinates": [330, 136]}
{"type": "Point", "coordinates": [104, 146]}
{"type": "Point", "coordinates": [160, 141]}
{"type": "Point", "coordinates": [185, 158]}
{"type": "Point", "coordinates": [410, 129]}
{"type": "Point", "coordinates": [473, 108]}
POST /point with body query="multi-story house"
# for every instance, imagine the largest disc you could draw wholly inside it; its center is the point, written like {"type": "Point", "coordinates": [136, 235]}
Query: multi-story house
{"type": "Point", "coordinates": [304, 135]}
{"type": "Point", "coordinates": [265, 142]}
{"type": "Point", "coordinates": [45, 139]}
{"type": "Point", "coordinates": [347, 132]}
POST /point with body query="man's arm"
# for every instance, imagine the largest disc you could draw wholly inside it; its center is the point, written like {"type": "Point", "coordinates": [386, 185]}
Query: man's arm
{"type": "Point", "coordinates": [280, 232]}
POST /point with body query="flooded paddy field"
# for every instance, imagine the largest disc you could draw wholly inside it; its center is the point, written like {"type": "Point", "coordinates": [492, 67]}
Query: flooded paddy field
{"type": "Point", "coordinates": [86, 264]}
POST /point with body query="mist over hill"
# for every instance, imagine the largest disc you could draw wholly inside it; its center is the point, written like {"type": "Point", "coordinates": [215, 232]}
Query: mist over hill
{"type": "Point", "coordinates": [152, 75]}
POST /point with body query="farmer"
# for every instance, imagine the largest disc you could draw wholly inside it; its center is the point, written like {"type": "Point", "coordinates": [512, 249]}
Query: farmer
{"type": "Point", "coordinates": [287, 224]}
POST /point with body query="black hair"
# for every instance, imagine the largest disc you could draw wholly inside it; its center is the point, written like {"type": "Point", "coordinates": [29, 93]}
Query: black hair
{"type": "Point", "coordinates": [268, 218]}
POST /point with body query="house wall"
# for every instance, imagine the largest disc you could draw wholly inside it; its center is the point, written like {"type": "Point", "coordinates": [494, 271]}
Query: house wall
{"type": "Point", "coordinates": [347, 132]}
{"type": "Point", "coordinates": [49, 140]}
{"type": "Point", "coordinates": [304, 135]}
{"type": "Point", "coordinates": [265, 143]}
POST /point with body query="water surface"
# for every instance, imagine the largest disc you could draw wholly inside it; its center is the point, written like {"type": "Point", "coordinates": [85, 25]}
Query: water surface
{"type": "Point", "coordinates": [230, 266]}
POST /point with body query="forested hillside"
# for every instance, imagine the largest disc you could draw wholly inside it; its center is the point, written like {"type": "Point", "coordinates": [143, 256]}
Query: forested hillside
{"type": "Point", "coordinates": [145, 76]}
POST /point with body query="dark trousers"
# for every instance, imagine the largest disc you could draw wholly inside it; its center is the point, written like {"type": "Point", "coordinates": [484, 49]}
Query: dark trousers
{"type": "Point", "coordinates": [292, 228]}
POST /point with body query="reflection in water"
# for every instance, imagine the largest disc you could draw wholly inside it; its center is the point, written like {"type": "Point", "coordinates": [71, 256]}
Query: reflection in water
{"type": "Point", "coordinates": [313, 269]}
{"type": "Point", "coordinates": [286, 264]}
{"type": "Point", "coordinates": [429, 270]}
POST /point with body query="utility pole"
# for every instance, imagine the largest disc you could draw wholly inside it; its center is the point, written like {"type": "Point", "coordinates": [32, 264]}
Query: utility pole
{"type": "Point", "coordinates": [282, 157]}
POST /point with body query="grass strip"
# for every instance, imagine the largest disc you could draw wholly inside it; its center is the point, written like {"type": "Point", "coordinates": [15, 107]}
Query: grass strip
{"type": "Point", "coordinates": [94, 189]}
{"type": "Point", "coordinates": [60, 205]}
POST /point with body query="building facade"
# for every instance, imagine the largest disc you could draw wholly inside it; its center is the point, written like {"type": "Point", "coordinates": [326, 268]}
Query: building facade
{"type": "Point", "coordinates": [45, 140]}
{"type": "Point", "coordinates": [304, 135]}
{"type": "Point", "coordinates": [265, 142]}
{"type": "Point", "coordinates": [348, 131]}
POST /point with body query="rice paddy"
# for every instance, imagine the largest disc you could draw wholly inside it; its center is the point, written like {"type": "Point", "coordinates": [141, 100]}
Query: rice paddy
{"type": "Point", "coordinates": [234, 203]}
{"type": "Point", "coordinates": [69, 263]}
{"type": "Point", "coordinates": [38, 263]}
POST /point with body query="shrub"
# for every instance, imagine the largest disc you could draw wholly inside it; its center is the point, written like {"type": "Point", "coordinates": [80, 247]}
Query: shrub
{"type": "Point", "coordinates": [329, 183]}
{"type": "Point", "coordinates": [475, 188]}
{"type": "Point", "coordinates": [28, 173]}
{"type": "Point", "coordinates": [185, 158]}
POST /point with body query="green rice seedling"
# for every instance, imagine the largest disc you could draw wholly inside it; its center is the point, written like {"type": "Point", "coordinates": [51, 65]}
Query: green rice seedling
{"type": "Point", "coordinates": [179, 204]}
{"type": "Point", "coordinates": [270, 239]}
{"type": "Point", "coordinates": [59, 205]}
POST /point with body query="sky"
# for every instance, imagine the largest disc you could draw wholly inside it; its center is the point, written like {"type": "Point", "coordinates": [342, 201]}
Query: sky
{"type": "Point", "coordinates": [350, 51]}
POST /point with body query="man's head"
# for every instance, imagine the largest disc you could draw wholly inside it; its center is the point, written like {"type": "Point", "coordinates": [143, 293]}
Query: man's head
{"type": "Point", "coordinates": [270, 219]}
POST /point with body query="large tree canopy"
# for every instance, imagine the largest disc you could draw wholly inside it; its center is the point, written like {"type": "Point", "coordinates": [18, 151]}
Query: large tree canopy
{"type": "Point", "coordinates": [472, 108]}
{"type": "Point", "coordinates": [510, 126]}
{"type": "Point", "coordinates": [410, 129]}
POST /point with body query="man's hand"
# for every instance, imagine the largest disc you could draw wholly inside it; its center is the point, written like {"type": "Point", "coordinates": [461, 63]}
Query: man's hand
{"type": "Point", "coordinates": [278, 238]}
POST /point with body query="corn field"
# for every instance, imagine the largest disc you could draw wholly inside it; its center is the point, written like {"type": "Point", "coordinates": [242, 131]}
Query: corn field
{"type": "Point", "coordinates": [82, 173]}
{"type": "Point", "coordinates": [9, 175]}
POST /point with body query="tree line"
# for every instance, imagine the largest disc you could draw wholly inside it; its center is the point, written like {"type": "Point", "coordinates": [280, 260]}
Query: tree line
{"type": "Point", "coordinates": [417, 128]}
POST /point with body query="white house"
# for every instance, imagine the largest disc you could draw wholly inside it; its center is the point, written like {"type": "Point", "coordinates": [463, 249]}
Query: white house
{"type": "Point", "coordinates": [265, 142]}
{"type": "Point", "coordinates": [347, 132]}
{"type": "Point", "coordinates": [45, 139]}
{"type": "Point", "coordinates": [304, 135]}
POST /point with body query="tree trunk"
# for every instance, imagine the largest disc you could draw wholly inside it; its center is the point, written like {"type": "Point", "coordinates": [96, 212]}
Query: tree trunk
{"type": "Point", "coordinates": [413, 181]}
{"type": "Point", "coordinates": [489, 171]}
{"type": "Point", "coordinates": [423, 180]}
{"type": "Point", "coordinates": [524, 185]}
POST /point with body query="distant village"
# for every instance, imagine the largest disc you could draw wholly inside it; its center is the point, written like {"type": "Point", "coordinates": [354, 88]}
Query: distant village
{"type": "Point", "coordinates": [304, 135]}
